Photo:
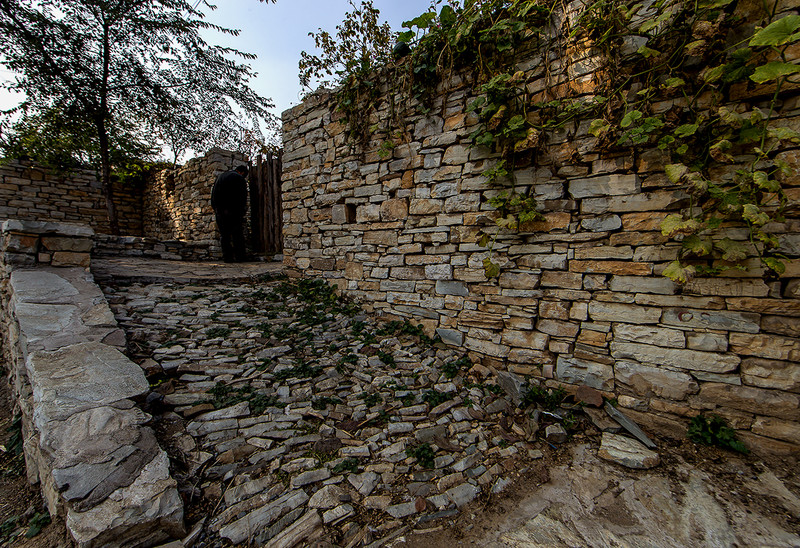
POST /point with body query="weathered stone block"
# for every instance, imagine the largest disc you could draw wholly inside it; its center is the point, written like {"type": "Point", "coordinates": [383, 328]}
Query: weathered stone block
{"type": "Point", "coordinates": [68, 258]}
{"type": "Point", "coordinates": [711, 319]}
{"type": "Point", "coordinates": [748, 399]}
{"type": "Point", "coordinates": [776, 428]}
{"type": "Point", "coordinates": [565, 280]}
{"type": "Point", "coordinates": [518, 280]}
{"type": "Point", "coordinates": [612, 312]}
{"type": "Point", "coordinates": [602, 223]}
{"type": "Point", "coordinates": [394, 210]}
{"type": "Point", "coordinates": [766, 346]}
{"type": "Point", "coordinates": [558, 328]}
{"type": "Point", "coordinates": [577, 371]}
{"type": "Point", "coordinates": [525, 339]}
{"type": "Point", "coordinates": [648, 381]}
{"type": "Point", "coordinates": [658, 336]}
{"type": "Point", "coordinates": [605, 185]}
{"type": "Point", "coordinates": [638, 284]}
{"type": "Point", "coordinates": [763, 373]}
{"type": "Point", "coordinates": [611, 267]}
{"type": "Point", "coordinates": [673, 357]}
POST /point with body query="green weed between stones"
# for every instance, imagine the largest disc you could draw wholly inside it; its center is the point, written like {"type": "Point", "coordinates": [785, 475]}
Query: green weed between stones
{"type": "Point", "coordinates": [546, 397]}
{"type": "Point", "coordinates": [301, 371]}
{"type": "Point", "coordinates": [424, 454]}
{"type": "Point", "coordinates": [715, 431]}
{"type": "Point", "coordinates": [451, 369]}
{"type": "Point", "coordinates": [347, 465]}
{"type": "Point", "coordinates": [225, 396]}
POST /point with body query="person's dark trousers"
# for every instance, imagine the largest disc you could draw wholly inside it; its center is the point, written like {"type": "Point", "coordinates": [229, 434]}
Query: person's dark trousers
{"type": "Point", "coordinates": [231, 235]}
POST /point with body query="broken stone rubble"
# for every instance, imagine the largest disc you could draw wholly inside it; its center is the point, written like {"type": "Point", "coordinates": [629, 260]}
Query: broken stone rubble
{"type": "Point", "coordinates": [335, 448]}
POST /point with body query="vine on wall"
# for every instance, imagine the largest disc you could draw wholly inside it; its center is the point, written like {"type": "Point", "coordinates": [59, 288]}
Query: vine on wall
{"type": "Point", "coordinates": [692, 53]}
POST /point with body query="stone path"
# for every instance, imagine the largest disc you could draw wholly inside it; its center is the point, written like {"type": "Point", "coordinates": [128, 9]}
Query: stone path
{"type": "Point", "coordinates": [292, 416]}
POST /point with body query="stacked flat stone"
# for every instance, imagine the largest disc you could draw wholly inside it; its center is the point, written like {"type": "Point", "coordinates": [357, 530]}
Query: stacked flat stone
{"type": "Point", "coordinates": [335, 453]}
{"type": "Point", "coordinates": [580, 297]}
{"type": "Point", "coordinates": [85, 442]}
{"type": "Point", "coordinates": [34, 193]}
{"type": "Point", "coordinates": [177, 203]}
{"type": "Point", "coordinates": [175, 250]}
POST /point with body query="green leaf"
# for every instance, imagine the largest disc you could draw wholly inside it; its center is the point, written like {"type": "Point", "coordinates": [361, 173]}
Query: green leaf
{"type": "Point", "coordinates": [674, 82]}
{"type": "Point", "coordinates": [730, 117]}
{"type": "Point", "coordinates": [732, 251]}
{"type": "Point", "coordinates": [648, 52]}
{"type": "Point", "coordinates": [686, 130]}
{"type": "Point", "coordinates": [516, 122]}
{"type": "Point", "coordinates": [679, 273]}
{"type": "Point", "coordinates": [752, 214]}
{"type": "Point", "coordinates": [508, 222]}
{"type": "Point", "coordinates": [683, 149]}
{"type": "Point", "coordinates": [483, 239]}
{"type": "Point", "coordinates": [665, 142]}
{"type": "Point", "coordinates": [485, 139]}
{"type": "Point", "coordinates": [675, 224]}
{"type": "Point", "coordinates": [714, 4]}
{"type": "Point", "coordinates": [774, 264]}
{"type": "Point", "coordinates": [491, 269]}
{"type": "Point", "coordinates": [783, 134]}
{"type": "Point", "coordinates": [447, 16]}
{"type": "Point", "coordinates": [697, 182]}
{"type": "Point", "coordinates": [778, 32]}
{"type": "Point", "coordinates": [598, 127]}
{"type": "Point", "coordinates": [761, 179]}
{"type": "Point", "coordinates": [476, 104]}
{"type": "Point", "coordinates": [713, 74]}
{"type": "Point", "coordinates": [772, 71]}
{"type": "Point", "coordinates": [696, 245]}
{"type": "Point", "coordinates": [630, 117]}
{"type": "Point", "coordinates": [718, 151]}
{"type": "Point", "coordinates": [675, 172]}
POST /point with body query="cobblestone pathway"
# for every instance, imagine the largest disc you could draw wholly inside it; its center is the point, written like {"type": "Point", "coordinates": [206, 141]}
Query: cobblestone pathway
{"type": "Point", "coordinates": [290, 416]}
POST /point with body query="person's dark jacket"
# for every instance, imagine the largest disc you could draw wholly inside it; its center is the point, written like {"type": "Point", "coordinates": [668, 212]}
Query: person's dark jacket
{"type": "Point", "coordinates": [229, 194]}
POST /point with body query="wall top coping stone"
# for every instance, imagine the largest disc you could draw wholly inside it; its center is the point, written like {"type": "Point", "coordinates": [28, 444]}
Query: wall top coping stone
{"type": "Point", "coordinates": [47, 227]}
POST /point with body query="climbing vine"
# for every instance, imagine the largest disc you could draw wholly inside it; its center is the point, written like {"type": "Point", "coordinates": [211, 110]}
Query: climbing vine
{"type": "Point", "coordinates": [665, 75]}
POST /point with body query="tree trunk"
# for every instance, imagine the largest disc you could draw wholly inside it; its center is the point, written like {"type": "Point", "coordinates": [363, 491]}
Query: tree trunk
{"type": "Point", "coordinates": [105, 176]}
{"type": "Point", "coordinates": [102, 132]}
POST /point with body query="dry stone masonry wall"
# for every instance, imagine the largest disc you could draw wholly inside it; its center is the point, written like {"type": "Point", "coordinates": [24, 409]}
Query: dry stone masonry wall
{"type": "Point", "coordinates": [85, 441]}
{"type": "Point", "coordinates": [34, 193]}
{"type": "Point", "coordinates": [177, 203]}
{"type": "Point", "coordinates": [581, 298]}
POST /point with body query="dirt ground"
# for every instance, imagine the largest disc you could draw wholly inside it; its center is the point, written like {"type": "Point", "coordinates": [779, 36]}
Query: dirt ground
{"type": "Point", "coordinates": [698, 496]}
{"type": "Point", "coordinates": [19, 501]}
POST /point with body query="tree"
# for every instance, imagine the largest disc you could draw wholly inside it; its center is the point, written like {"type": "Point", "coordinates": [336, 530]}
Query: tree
{"type": "Point", "coordinates": [125, 68]}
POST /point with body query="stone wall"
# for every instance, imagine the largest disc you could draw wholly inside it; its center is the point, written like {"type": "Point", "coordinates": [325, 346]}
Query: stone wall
{"type": "Point", "coordinates": [85, 442]}
{"type": "Point", "coordinates": [34, 193]}
{"type": "Point", "coordinates": [581, 298]}
{"type": "Point", "coordinates": [177, 203]}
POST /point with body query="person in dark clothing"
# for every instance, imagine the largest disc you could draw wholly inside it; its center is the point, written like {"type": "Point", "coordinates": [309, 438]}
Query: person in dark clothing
{"type": "Point", "coordinates": [229, 200]}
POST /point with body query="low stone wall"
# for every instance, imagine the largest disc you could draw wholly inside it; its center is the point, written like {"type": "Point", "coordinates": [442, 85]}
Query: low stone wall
{"type": "Point", "coordinates": [175, 250]}
{"type": "Point", "coordinates": [177, 203]}
{"type": "Point", "coordinates": [85, 441]}
{"type": "Point", "coordinates": [34, 193]}
{"type": "Point", "coordinates": [580, 298]}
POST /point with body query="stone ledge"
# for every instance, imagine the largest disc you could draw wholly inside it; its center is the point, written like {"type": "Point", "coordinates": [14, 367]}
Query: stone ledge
{"type": "Point", "coordinates": [47, 227]}
{"type": "Point", "coordinates": [86, 442]}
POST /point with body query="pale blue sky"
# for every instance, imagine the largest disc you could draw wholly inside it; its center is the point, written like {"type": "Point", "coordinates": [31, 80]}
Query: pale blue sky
{"type": "Point", "coordinates": [277, 33]}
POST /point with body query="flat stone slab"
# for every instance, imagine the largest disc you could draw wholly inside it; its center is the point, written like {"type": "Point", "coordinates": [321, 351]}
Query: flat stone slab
{"type": "Point", "coordinates": [144, 513]}
{"type": "Point", "coordinates": [47, 227]}
{"type": "Point", "coordinates": [627, 451]}
{"type": "Point", "coordinates": [39, 286]}
{"type": "Point", "coordinates": [80, 377]}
